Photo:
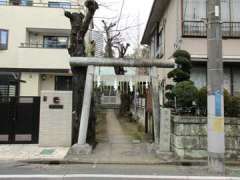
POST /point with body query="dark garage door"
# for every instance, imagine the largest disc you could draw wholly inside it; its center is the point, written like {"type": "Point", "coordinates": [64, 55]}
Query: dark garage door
{"type": "Point", "coordinates": [19, 119]}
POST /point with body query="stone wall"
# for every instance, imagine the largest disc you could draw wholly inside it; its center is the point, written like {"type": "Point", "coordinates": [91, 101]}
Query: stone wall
{"type": "Point", "coordinates": [56, 119]}
{"type": "Point", "coordinates": [189, 136]}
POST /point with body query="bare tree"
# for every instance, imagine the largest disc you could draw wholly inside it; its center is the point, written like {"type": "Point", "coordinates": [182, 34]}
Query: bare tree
{"type": "Point", "coordinates": [80, 25]}
{"type": "Point", "coordinates": [113, 40]}
{"type": "Point", "coordinates": [122, 50]}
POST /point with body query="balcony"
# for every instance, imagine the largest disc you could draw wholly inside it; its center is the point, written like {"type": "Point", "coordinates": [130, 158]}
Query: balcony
{"type": "Point", "coordinates": [56, 45]}
{"type": "Point", "coordinates": [39, 57]}
{"type": "Point", "coordinates": [63, 5]}
{"type": "Point", "coordinates": [199, 29]}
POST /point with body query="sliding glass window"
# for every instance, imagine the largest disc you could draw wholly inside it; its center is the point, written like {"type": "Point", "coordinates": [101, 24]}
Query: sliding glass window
{"type": "Point", "coordinates": [194, 15]}
{"type": "Point", "coordinates": [55, 42]}
{"type": "Point", "coordinates": [3, 39]}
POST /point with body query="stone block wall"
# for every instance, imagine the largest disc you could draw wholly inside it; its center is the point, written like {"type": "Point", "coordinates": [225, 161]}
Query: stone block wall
{"type": "Point", "coordinates": [55, 119]}
{"type": "Point", "coordinates": [189, 136]}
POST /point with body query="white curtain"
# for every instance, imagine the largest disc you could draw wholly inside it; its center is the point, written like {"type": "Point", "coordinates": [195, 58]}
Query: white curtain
{"type": "Point", "coordinates": [199, 76]}
{"type": "Point", "coordinates": [3, 37]}
{"type": "Point", "coordinates": [235, 10]}
{"type": "Point", "coordinates": [225, 10]}
{"type": "Point", "coordinates": [227, 79]}
{"type": "Point", "coordinates": [194, 10]}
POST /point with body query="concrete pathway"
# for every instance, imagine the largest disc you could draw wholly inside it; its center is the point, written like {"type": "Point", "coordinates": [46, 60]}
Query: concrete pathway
{"type": "Point", "coordinates": [115, 133]}
{"type": "Point", "coordinates": [116, 146]}
{"type": "Point", "coordinates": [28, 152]}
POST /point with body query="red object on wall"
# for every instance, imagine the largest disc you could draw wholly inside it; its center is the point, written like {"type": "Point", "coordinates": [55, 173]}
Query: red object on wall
{"type": "Point", "coordinates": [149, 100]}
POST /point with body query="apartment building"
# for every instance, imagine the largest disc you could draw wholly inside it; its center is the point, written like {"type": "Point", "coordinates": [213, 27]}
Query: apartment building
{"type": "Point", "coordinates": [34, 36]}
{"type": "Point", "coordinates": [175, 24]}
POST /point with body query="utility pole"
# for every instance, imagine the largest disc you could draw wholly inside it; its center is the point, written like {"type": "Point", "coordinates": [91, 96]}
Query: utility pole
{"type": "Point", "coordinates": [216, 139]}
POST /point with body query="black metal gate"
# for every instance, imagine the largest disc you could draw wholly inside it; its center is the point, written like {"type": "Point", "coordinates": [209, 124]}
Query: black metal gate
{"type": "Point", "coordinates": [19, 120]}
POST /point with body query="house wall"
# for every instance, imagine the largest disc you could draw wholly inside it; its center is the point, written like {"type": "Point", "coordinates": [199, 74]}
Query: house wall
{"type": "Point", "coordinates": [198, 46]}
{"type": "Point", "coordinates": [43, 58]}
{"type": "Point", "coordinates": [173, 36]}
{"type": "Point", "coordinates": [28, 24]}
{"type": "Point", "coordinates": [18, 18]}
{"type": "Point", "coordinates": [170, 35]}
{"type": "Point", "coordinates": [48, 84]}
{"type": "Point", "coordinates": [31, 86]}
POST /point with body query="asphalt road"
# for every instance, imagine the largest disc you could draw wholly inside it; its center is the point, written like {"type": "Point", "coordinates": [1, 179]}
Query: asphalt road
{"type": "Point", "coordinates": [11, 170]}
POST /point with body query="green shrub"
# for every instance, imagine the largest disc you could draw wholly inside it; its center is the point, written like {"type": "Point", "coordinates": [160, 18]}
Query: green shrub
{"type": "Point", "coordinates": [185, 93]}
{"type": "Point", "coordinates": [182, 53]}
{"type": "Point", "coordinates": [202, 98]}
{"type": "Point", "coordinates": [169, 95]}
{"type": "Point", "coordinates": [179, 75]}
{"type": "Point", "coordinates": [231, 103]}
{"type": "Point", "coordinates": [169, 87]}
{"type": "Point", "coordinates": [232, 106]}
{"type": "Point", "coordinates": [184, 65]}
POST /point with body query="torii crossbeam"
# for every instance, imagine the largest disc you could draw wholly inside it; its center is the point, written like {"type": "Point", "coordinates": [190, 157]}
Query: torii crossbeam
{"type": "Point", "coordinates": [91, 62]}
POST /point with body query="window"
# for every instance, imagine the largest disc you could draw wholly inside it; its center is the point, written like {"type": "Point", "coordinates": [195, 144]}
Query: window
{"type": "Point", "coordinates": [160, 42]}
{"type": "Point", "coordinates": [3, 39]}
{"type": "Point", "coordinates": [64, 5]}
{"type": "Point", "coordinates": [26, 3]}
{"type": "Point", "coordinates": [225, 10]}
{"type": "Point", "coordinates": [55, 42]}
{"type": "Point", "coordinates": [235, 13]}
{"type": "Point", "coordinates": [194, 10]}
{"type": "Point", "coordinates": [3, 2]}
{"type": "Point", "coordinates": [63, 83]}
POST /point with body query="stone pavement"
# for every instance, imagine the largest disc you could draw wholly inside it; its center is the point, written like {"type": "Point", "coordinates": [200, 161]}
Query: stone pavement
{"type": "Point", "coordinates": [117, 146]}
{"type": "Point", "coordinates": [29, 152]}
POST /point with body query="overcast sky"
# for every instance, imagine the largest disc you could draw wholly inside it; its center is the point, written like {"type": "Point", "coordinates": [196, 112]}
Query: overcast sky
{"type": "Point", "coordinates": [134, 14]}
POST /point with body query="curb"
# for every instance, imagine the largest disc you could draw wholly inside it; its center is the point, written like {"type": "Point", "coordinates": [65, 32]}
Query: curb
{"type": "Point", "coordinates": [112, 176]}
{"type": "Point", "coordinates": [176, 163]}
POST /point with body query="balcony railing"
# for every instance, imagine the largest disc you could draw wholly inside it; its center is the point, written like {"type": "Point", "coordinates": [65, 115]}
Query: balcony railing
{"type": "Point", "coordinates": [199, 29]}
{"type": "Point", "coordinates": [44, 45]}
{"type": "Point", "coordinates": [3, 46]}
{"type": "Point", "coordinates": [194, 28]}
{"type": "Point", "coordinates": [231, 29]}
{"type": "Point", "coordinates": [32, 3]}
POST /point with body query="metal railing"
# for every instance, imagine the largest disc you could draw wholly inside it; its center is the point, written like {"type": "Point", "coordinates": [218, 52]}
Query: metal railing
{"type": "Point", "coordinates": [194, 29]}
{"type": "Point", "coordinates": [3, 46]}
{"type": "Point", "coordinates": [44, 45]}
{"type": "Point", "coordinates": [34, 4]}
{"type": "Point", "coordinates": [231, 29]}
{"type": "Point", "coordinates": [199, 29]}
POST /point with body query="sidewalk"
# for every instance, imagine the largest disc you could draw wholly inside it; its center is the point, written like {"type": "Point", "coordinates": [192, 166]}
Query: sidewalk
{"type": "Point", "coordinates": [29, 152]}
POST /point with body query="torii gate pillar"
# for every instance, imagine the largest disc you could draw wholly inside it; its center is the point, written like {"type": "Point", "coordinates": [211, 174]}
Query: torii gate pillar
{"type": "Point", "coordinates": [81, 146]}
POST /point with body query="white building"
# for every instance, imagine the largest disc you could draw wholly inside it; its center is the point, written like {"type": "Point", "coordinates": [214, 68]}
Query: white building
{"type": "Point", "coordinates": [34, 36]}
{"type": "Point", "coordinates": [97, 36]}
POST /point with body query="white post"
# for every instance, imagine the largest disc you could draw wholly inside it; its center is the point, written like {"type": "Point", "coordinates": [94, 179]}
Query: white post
{"type": "Point", "coordinates": [156, 104]}
{"type": "Point", "coordinates": [165, 131]}
{"type": "Point", "coordinates": [86, 106]}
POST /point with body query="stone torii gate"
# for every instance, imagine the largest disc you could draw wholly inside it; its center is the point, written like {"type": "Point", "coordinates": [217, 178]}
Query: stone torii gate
{"type": "Point", "coordinates": [90, 63]}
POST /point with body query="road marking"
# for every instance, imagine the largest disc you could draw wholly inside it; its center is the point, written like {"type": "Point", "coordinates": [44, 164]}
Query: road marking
{"type": "Point", "coordinates": [113, 176]}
